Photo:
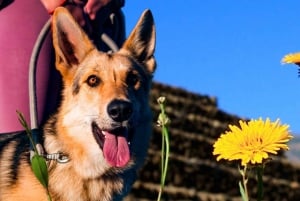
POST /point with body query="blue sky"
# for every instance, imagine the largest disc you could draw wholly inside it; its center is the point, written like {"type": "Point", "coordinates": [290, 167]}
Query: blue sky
{"type": "Point", "coordinates": [230, 50]}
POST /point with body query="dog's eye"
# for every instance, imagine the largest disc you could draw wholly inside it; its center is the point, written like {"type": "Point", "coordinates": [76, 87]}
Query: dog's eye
{"type": "Point", "coordinates": [93, 81]}
{"type": "Point", "coordinates": [132, 79]}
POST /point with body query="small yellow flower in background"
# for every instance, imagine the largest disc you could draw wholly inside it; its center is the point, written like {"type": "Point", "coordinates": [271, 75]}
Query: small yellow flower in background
{"type": "Point", "coordinates": [252, 142]}
{"type": "Point", "coordinates": [291, 58]}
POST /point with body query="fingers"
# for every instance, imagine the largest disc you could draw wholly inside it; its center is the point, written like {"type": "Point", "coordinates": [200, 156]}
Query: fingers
{"type": "Point", "coordinates": [93, 6]}
{"type": "Point", "coordinates": [50, 5]}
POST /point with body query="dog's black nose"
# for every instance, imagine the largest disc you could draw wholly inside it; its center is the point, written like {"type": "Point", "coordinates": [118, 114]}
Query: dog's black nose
{"type": "Point", "coordinates": [119, 110]}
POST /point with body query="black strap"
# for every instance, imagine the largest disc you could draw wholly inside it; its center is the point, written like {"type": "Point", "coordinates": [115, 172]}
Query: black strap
{"type": "Point", "coordinates": [37, 139]}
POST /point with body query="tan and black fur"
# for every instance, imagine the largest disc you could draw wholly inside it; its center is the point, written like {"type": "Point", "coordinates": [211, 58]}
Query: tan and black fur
{"type": "Point", "coordinates": [105, 95]}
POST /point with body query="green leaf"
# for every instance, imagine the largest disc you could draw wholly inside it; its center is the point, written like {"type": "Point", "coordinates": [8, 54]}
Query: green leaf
{"type": "Point", "coordinates": [39, 168]}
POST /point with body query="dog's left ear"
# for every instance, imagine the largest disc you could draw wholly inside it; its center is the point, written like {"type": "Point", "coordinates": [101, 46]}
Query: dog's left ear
{"type": "Point", "coordinates": [141, 42]}
{"type": "Point", "coordinates": [70, 42]}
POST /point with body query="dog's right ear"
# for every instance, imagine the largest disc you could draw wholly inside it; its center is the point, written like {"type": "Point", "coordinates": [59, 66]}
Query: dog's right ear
{"type": "Point", "coordinates": [70, 42]}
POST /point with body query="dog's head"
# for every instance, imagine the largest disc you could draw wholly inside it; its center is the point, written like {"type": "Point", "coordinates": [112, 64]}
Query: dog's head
{"type": "Point", "coordinates": [105, 94]}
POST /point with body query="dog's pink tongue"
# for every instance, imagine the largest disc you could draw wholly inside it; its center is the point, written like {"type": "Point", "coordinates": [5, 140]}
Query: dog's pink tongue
{"type": "Point", "coordinates": [116, 150]}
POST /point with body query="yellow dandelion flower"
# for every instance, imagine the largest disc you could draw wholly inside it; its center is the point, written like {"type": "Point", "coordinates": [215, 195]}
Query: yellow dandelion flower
{"type": "Point", "coordinates": [291, 58]}
{"type": "Point", "coordinates": [253, 141]}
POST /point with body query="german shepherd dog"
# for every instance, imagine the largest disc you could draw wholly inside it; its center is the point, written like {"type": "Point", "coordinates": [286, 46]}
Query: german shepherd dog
{"type": "Point", "coordinates": [103, 124]}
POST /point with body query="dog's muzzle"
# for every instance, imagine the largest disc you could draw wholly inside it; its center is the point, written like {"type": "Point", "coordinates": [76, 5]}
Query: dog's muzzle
{"type": "Point", "coordinates": [114, 142]}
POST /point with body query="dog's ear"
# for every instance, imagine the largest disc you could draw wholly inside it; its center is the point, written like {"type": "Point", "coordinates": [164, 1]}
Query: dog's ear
{"type": "Point", "coordinates": [70, 42]}
{"type": "Point", "coordinates": [141, 42]}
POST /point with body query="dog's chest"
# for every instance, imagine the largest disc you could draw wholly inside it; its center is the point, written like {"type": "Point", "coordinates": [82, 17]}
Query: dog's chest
{"type": "Point", "coordinates": [69, 187]}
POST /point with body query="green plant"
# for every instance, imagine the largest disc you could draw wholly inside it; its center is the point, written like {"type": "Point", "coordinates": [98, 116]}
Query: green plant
{"type": "Point", "coordinates": [38, 162]}
{"type": "Point", "coordinates": [252, 143]}
{"type": "Point", "coordinates": [163, 122]}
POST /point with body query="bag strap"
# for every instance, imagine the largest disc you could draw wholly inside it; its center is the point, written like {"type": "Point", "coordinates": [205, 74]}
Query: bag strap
{"type": "Point", "coordinates": [118, 23]}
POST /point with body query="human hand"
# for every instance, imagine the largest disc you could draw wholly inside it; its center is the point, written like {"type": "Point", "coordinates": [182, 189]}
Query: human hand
{"type": "Point", "coordinates": [50, 5]}
{"type": "Point", "coordinates": [90, 7]}
{"type": "Point", "coordinates": [81, 8]}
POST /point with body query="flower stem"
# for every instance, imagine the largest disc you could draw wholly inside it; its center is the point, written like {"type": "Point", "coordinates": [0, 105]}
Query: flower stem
{"type": "Point", "coordinates": [245, 180]}
{"type": "Point", "coordinates": [260, 190]}
{"type": "Point", "coordinates": [27, 129]}
{"type": "Point", "coordinates": [163, 121]}
{"type": "Point", "coordinates": [48, 195]}
{"type": "Point", "coordinates": [243, 187]}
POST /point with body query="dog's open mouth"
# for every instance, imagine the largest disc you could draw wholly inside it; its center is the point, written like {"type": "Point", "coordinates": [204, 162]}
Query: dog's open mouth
{"type": "Point", "coordinates": [114, 145]}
